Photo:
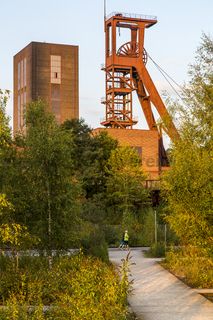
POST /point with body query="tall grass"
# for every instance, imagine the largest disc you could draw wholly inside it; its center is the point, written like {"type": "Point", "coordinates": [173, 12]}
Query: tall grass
{"type": "Point", "coordinates": [76, 288]}
{"type": "Point", "coordinates": [192, 264]}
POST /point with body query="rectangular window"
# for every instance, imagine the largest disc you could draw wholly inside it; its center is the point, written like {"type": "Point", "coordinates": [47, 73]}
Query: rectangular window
{"type": "Point", "coordinates": [25, 72]}
{"type": "Point", "coordinates": [19, 111]}
{"type": "Point", "coordinates": [139, 151]}
{"type": "Point", "coordinates": [56, 110]}
{"type": "Point", "coordinates": [19, 76]}
{"type": "Point", "coordinates": [55, 69]}
{"type": "Point", "coordinates": [22, 73]}
{"type": "Point", "coordinates": [55, 101]}
{"type": "Point", "coordinates": [25, 98]}
{"type": "Point", "coordinates": [22, 92]}
{"type": "Point", "coordinates": [24, 107]}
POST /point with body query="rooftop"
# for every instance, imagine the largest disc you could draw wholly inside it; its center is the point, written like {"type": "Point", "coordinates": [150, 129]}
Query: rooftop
{"type": "Point", "coordinates": [131, 15]}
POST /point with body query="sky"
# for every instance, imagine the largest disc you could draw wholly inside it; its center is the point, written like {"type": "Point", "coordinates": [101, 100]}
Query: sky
{"type": "Point", "coordinates": [172, 42]}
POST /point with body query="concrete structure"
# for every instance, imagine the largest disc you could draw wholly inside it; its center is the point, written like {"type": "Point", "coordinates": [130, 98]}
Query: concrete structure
{"type": "Point", "coordinates": [158, 295]}
{"type": "Point", "coordinates": [49, 72]}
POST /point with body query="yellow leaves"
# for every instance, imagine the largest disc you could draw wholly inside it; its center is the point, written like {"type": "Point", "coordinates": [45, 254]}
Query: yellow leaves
{"type": "Point", "coordinates": [77, 288]}
{"type": "Point", "coordinates": [15, 235]}
{"type": "Point", "coordinates": [12, 233]}
{"type": "Point", "coordinates": [193, 264]}
{"type": "Point", "coordinates": [5, 204]}
{"type": "Point", "coordinates": [187, 188]}
{"type": "Point", "coordinates": [92, 291]}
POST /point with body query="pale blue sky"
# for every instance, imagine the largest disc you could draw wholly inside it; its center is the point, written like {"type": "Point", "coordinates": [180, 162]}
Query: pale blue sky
{"type": "Point", "coordinates": [171, 42]}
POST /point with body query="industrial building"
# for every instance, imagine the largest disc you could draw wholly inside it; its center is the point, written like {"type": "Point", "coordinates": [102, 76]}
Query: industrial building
{"type": "Point", "coordinates": [126, 72]}
{"type": "Point", "coordinates": [48, 72]}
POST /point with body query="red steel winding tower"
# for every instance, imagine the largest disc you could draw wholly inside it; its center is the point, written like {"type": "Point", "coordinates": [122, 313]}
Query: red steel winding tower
{"type": "Point", "coordinates": [125, 68]}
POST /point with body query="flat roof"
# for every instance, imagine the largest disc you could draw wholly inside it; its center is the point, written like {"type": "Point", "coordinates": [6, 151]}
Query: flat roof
{"type": "Point", "coordinates": [45, 43]}
{"type": "Point", "coordinates": [131, 15]}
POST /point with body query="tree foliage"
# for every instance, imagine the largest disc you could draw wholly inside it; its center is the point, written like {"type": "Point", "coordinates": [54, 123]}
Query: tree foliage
{"type": "Point", "coordinates": [76, 288]}
{"type": "Point", "coordinates": [41, 182]}
{"type": "Point", "coordinates": [90, 153]}
{"type": "Point", "coordinates": [125, 184]}
{"type": "Point", "coordinates": [188, 186]}
{"type": "Point", "coordinates": [5, 132]}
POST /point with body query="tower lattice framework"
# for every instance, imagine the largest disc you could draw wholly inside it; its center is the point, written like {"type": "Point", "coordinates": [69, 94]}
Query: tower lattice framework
{"type": "Point", "coordinates": [125, 68]}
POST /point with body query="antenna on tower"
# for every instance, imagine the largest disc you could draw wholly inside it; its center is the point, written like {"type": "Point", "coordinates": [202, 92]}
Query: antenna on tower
{"type": "Point", "coordinates": [105, 9]}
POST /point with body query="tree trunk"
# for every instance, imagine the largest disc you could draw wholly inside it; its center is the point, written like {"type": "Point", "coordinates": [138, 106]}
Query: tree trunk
{"type": "Point", "coordinates": [49, 226]}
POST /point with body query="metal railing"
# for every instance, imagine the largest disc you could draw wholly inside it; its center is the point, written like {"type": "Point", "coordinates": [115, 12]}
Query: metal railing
{"type": "Point", "coordinates": [131, 15]}
{"type": "Point", "coordinates": [152, 184]}
{"type": "Point", "coordinates": [135, 119]}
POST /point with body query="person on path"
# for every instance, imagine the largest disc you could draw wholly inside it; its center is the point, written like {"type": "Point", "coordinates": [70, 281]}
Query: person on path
{"type": "Point", "coordinates": [126, 239]}
{"type": "Point", "coordinates": [121, 246]}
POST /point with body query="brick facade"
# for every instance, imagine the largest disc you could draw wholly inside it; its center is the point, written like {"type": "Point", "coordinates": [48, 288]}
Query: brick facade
{"type": "Point", "coordinates": [145, 141]}
{"type": "Point", "coordinates": [33, 72]}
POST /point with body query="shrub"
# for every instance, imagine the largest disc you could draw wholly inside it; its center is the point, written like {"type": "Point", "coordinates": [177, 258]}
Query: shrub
{"type": "Point", "coordinates": [148, 229]}
{"type": "Point", "coordinates": [157, 250]}
{"type": "Point", "coordinates": [93, 289]}
{"type": "Point", "coordinates": [112, 235]}
{"type": "Point", "coordinates": [76, 288]}
{"type": "Point", "coordinates": [94, 244]}
{"type": "Point", "coordinates": [192, 264]}
{"type": "Point", "coordinates": [134, 227]}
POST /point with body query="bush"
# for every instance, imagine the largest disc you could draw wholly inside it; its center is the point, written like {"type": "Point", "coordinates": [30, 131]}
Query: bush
{"type": "Point", "coordinates": [76, 288]}
{"type": "Point", "coordinates": [95, 290]}
{"type": "Point", "coordinates": [131, 223]}
{"type": "Point", "coordinates": [191, 264]}
{"type": "Point", "coordinates": [112, 235]}
{"type": "Point", "coordinates": [94, 244]}
{"type": "Point", "coordinates": [148, 229]}
{"type": "Point", "coordinates": [157, 250]}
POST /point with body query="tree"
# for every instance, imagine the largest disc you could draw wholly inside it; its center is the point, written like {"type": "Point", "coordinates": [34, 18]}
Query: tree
{"type": "Point", "coordinates": [5, 133]}
{"type": "Point", "coordinates": [188, 186]}
{"type": "Point", "coordinates": [125, 185]}
{"type": "Point", "coordinates": [6, 209]}
{"type": "Point", "coordinates": [81, 135]}
{"type": "Point", "coordinates": [90, 153]}
{"type": "Point", "coordinates": [17, 237]}
{"type": "Point", "coordinates": [47, 192]}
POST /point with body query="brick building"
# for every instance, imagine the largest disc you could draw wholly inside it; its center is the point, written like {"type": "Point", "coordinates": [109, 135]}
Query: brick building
{"type": "Point", "coordinates": [148, 145]}
{"type": "Point", "coordinates": [48, 72]}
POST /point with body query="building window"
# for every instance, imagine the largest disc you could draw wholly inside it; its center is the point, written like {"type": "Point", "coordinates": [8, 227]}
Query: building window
{"type": "Point", "coordinates": [55, 101]}
{"type": "Point", "coordinates": [139, 151]}
{"type": "Point", "coordinates": [19, 76]}
{"type": "Point", "coordinates": [24, 108]}
{"type": "Point", "coordinates": [22, 92]}
{"type": "Point", "coordinates": [25, 71]}
{"type": "Point", "coordinates": [19, 112]}
{"type": "Point", "coordinates": [22, 74]}
{"type": "Point", "coordinates": [55, 69]}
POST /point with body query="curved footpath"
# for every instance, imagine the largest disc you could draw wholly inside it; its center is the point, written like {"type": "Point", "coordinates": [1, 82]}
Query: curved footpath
{"type": "Point", "coordinates": [158, 295]}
